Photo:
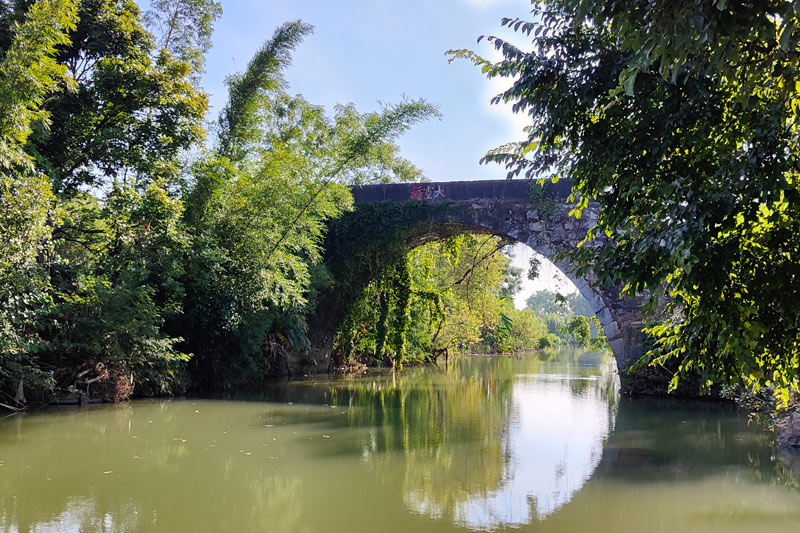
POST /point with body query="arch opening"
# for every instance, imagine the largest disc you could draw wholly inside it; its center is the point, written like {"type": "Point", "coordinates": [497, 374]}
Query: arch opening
{"type": "Point", "coordinates": [549, 293]}
{"type": "Point", "coordinates": [379, 255]}
{"type": "Point", "coordinates": [391, 219]}
{"type": "Point", "coordinates": [540, 245]}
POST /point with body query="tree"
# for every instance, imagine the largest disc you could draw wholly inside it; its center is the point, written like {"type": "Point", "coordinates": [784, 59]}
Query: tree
{"type": "Point", "coordinates": [28, 73]}
{"type": "Point", "coordinates": [526, 331]}
{"type": "Point", "coordinates": [259, 206]}
{"type": "Point", "coordinates": [185, 28]}
{"type": "Point", "coordinates": [445, 296]}
{"type": "Point", "coordinates": [546, 302]}
{"type": "Point", "coordinates": [105, 326]}
{"type": "Point", "coordinates": [578, 327]}
{"type": "Point", "coordinates": [92, 112]}
{"type": "Point", "coordinates": [513, 282]}
{"type": "Point", "coordinates": [686, 135]}
{"type": "Point", "coordinates": [131, 109]}
{"type": "Point", "coordinates": [124, 254]}
{"type": "Point", "coordinates": [467, 274]}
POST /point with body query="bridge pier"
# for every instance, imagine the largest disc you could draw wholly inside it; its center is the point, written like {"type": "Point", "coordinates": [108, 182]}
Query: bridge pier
{"type": "Point", "coordinates": [621, 318]}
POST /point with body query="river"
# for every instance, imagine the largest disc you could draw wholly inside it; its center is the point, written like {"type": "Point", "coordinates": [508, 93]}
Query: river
{"type": "Point", "coordinates": [486, 443]}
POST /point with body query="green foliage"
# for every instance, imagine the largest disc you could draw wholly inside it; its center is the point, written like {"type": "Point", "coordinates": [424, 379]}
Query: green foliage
{"type": "Point", "coordinates": [764, 406]}
{"type": "Point", "coordinates": [110, 305]}
{"type": "Point", "coordinates": [111, 276]}
{"type": "Point", "coordinates": [685, 134]}
{"type": "Point", "coordinates": [578, 328]}
{"type": "Point", "coordinates": [259, 209]}
{"type": "Point", "coordinates": [545, 302]}
{"type": "Point", "coordinates": [545, 342]}
{"type": "Point", "coordinates": [513, 282]}
{"type": "Point", "coordinates": [118, 325]}
{"type": "Point", "coordinates": [533, 268]}
{"type": "Point", "coordinates": [429, 425]}
{"type": "Point", "coordinates": [28, 73]}
{"type": "Point", "coordinates": [108, 283]}
{"type": "Point", "coordinates": [130, 110]}
{"type": "Point", "coordinates": [451, 299]}
{"type": "Point", "coordinates": [240, 120]}
{"type": "Point", "coordinates": [185, 28]}
{"type": "Point", "coordinates": [383, 230]}
{"type": "Point", "coordinates": [498, 336]}
{"type": "Point", "coordinates": [394, 295]}
{"type": "Point", "coordinates": [540, 199]}
{"type": "Point", "coordinates": [569, 319]}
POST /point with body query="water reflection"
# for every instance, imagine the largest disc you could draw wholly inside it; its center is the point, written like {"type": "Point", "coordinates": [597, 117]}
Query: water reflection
{"type": "Point", "coordinates": [483, 444]}
{"type": "Point", "coordinates": [555, 443]}
{"type": "Point", "coordinates": [140, 467]}
{"type": "Point", "coordinates": [534, 439]}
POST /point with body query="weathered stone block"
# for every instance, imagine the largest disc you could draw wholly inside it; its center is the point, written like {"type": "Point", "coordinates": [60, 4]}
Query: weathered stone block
{"type": "Point", "coordinates": [789, 431]}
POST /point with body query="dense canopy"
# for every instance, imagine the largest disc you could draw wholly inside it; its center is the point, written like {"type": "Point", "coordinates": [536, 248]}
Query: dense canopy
{"type": "Point", "coordinates": [681, 120]}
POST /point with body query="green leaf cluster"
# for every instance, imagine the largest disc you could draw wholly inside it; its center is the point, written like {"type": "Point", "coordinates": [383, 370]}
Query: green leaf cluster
{"type": "Point", "coordinates": [680, 120]}
{"type": "Point", "coordinates": [569, 319]}
{"type": "Point", "coordinates": [448, 296]}
{"type": "Point", "coordinates": [258, 210]}
{"type": "Point", "coordinates": [130, 247]}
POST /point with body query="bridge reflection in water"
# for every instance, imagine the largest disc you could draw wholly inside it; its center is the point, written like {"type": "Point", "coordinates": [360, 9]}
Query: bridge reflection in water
{"type": "Point", "coordinates": [487, 443]}
{"type": "Point", "coordinates": [555, 442]}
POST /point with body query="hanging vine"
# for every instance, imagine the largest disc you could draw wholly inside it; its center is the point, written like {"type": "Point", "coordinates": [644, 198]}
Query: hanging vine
{"type": "Point", "coordinates": [397, 301]}
{"type": "Point", "coordinates": [402, 293]}
{"type": "Point", "coordinates": [383, 319]}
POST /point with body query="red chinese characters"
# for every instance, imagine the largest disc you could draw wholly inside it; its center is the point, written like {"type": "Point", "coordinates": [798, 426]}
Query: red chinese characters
{"type": "Point", "coordinates": [427, 192]}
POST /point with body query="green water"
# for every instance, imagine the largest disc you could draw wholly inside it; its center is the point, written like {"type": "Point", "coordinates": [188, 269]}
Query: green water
{"type": "Point", "coordinates": [485, 444]}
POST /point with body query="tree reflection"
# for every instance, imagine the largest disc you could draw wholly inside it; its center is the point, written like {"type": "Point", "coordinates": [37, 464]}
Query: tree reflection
{"type": "Point", "coordinates": [482, 442]}
{"type": "Point", "coordinates": [486, 442]}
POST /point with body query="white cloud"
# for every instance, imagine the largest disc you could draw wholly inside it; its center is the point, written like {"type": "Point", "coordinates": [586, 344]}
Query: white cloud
{"type": "Point", "coordinates": [516, 121]}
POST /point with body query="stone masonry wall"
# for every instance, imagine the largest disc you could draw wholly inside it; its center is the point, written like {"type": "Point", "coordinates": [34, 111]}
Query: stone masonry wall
{"type": "Point", "coordinates": [506, 208]}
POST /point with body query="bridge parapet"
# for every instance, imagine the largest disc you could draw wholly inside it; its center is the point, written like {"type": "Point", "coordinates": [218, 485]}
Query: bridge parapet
{"type": "Point", "coordinates": [457, 191]}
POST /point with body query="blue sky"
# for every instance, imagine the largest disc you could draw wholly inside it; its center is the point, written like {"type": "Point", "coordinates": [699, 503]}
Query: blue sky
{"type": "Point", "coordinates": [371, 51]}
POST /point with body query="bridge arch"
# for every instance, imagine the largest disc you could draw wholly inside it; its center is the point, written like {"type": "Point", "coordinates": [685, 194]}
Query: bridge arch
{"type": "Point", "coordinates": [389, 220]}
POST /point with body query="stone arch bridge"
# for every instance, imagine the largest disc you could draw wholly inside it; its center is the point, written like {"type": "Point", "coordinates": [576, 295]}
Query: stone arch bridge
{"type": "Point", "coordinates": [391, 219]}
